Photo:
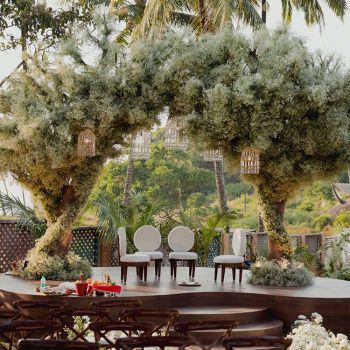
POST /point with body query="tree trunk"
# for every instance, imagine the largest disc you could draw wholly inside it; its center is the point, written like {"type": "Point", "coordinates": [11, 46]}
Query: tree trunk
{"type": "Point", "coordinates": [263, 11]}
{"type": "Point", "coordinates": [273, 216]}
{"type": "Point", "coordinates": [203, 16]}
{"type": "Point", "coordinates": [128, 181]}
{"type": "Point", "coordinates": [58, 237]}
{"type": "Point", "coordinates": [220, 184]}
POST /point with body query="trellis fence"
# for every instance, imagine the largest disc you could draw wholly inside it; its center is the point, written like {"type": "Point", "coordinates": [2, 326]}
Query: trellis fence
{"type": "Point", "coordinates": [14, 245]}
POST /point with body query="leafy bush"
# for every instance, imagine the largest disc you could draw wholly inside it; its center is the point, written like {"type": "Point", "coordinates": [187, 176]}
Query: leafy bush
{"type": "Point", "coordinates": [280, 273]}
{"type": "Point", "coordinates": [336, 250]}
{"type": "Point", "coordinates": [306, 206]}
{"type": "Point", "coordinates": [342, 221]}
{"type": "Point", "coordinates": [55, 267]}
{"type": "Point", "coordinates": [321, 222]}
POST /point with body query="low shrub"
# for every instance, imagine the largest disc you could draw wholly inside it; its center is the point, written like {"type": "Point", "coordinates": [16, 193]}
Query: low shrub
{"type": "Point", "coordinates": [342, 221]}
{"type": "Point", "coordinates": [280, 273]}
{"type": "Point", "coordinates": [66, 268]}
{"type": "Point", "coordinates": [320, 222]}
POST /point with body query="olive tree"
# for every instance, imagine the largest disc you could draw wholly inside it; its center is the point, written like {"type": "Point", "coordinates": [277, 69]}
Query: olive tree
{"type": "Point", "coordinates": [45, 108]}
{"type": "Point", "coordinates": [271, 93]}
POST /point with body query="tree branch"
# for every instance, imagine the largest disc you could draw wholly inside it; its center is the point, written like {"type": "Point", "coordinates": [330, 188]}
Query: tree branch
{"type": "Point", "coordinates": [7, 77]}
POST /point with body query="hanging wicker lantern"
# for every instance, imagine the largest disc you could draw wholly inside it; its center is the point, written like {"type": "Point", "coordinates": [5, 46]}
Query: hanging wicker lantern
{"type": "Point", "coordinates": [250, 161]}
{"type": "Point", "coordinates": [173, 136]}
{"type": "Point", "coordinates": [141, 146]}
{"type": "Point", "coordinates": [212, 155]}
{"type": "Point", "coordinates": [86, 144]}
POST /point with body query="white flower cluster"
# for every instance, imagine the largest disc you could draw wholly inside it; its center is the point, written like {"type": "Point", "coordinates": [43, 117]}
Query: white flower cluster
{"type": "Point", "coordinates": [311, 335]}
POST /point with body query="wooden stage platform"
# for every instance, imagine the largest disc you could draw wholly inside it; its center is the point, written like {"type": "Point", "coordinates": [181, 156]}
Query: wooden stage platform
{"type": "Point", "coordinates": [244, 302]}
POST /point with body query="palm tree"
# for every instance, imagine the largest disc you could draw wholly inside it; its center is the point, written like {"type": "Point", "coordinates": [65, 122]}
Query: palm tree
{"type": "Point", "coordinates": [203, 15]}
{"type": "Point", "coordinates": [313, 12]}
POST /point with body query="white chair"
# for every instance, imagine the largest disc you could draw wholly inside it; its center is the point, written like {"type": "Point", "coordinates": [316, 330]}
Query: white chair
{"type": "Point", "coordinates": [181, 240]}
{"type": "Point", "coordinates": [239, 244]}
{"type": "Point", "coordinates": [147, 240]}
{"type": "Point", "coordinates": [125, 260]}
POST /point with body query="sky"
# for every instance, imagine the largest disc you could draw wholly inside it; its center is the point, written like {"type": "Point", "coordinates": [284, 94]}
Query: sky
{"type": "Point", "coordinates": [332, 38]}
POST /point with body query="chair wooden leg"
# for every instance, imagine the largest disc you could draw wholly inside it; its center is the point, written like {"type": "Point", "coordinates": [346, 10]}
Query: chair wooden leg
{"type": "Point", "coordinates": [193, 268]}
{"type": "Point", "coordinates": [125, 273]}
{"type": "Point", "coordinates": [145, 272]}
{"type": "Point", "coordinates": [222, 273]}
{"type": "Point", "coordinates": [121, 273]}
{"type": "Point", "coordinates": [216, 272]}
{"type": "Point", "coordinates": [158, 265]}
{"type": "Point", "coordinates": [140, 269]}
{"type": "Point", "coordinates": [234, 273]}
{"type": "Point", "coordinates": [171, 269]}
{"type": "Point", "coordinates": [190, 268]}
{"type": "Point", "coordinates": [240, 274]}
{"type": "Point", "coordinates": [175, 268]}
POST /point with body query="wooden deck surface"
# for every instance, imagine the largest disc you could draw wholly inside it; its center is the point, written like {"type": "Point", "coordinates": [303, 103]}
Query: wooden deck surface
{"type": "Point", "coordinates": [329, 297]}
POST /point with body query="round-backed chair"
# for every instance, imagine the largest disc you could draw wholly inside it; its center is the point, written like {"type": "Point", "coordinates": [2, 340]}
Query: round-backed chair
{"type": "Point", "coordinates": [181, 241]}
{"type": "Point", "coordinates": [147, 240]}
{"type": "Point", "coordinates": [125, 260]}
{"type": "Point", "coordinates": [236, 261]}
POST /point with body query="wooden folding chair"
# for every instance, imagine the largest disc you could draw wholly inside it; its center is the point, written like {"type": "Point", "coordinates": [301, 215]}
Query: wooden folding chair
{"type": "Point", "coordinates": [35, 344]}
{"type": "Point", "coordinates": [102, 331]}
{"type": "Point", "coordinates": [154, 342]}
{"type": "Point", "coordinates": [189, 329]}
{"type": "Point", "coordinates": [117, 306]}
{"type": "Point", "coordinates": [272, 342]}
{"type": "Point", "coordinates": [162, 318]}
{"type": "Point", "coordinates": [34, 310]}
{"type": "Point", "coordinates": [9, 315]}
{"type": "Point", "coordinates": [11, 331]}
{"type": "Point", "coordinates": [66, 320]}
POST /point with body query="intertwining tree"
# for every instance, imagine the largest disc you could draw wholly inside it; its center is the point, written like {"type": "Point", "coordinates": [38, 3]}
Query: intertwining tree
{"type": "Point", "coordinates": [25, 23]}
{"type": "Point", "coordinates": [270, 93]}
{"type": "Point", "coordinates": [45, 108]}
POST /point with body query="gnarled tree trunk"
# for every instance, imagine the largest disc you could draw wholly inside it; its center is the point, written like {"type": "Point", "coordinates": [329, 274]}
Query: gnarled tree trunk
{"type": "Point", "coordinates": [273, 214]}
{"type": "Point", "coordinates": [220, 184]}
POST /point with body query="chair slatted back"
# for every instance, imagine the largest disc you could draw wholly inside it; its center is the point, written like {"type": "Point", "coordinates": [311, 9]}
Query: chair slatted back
{"type": "Point", "coordinates": [116, 307]}
{"type": "Point", "coordinates": [154, 342]}
{"type": "Point", "coordinates": [103, 330]}
{"type": "Point", "coordinates": [162, 318]}
{"type": "Point", "coordinates": [32, 310]}
{"type": "Point", "coordinates": [35, 344]}
{"type": "Point", "coordinates": [278, 343]}
{"type": "Point", "coordinates": [66, 318]}
{"type": "Point", "coordinates": [9, 315]}
{"type": "Point", "coordinates": [11, 331]}
{"type": "Point", "coordinates": [189, 329]}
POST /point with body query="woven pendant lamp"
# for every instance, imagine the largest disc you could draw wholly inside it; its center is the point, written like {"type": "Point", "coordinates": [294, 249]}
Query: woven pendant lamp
{"type": "Point", "coordinates": [250, 161]}
{"type": "Point", "coordinates": [212, 155]}
{"type": "Point", "coordinates": [173, 138]}
{"type": "Point", "coordinates": [141, 146]}
{"type": "Point", "coordinates": [86, 144]}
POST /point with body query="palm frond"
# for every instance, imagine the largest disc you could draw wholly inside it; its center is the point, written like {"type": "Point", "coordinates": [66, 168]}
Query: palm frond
{"type": "Point", "coordinates": [27, 218]}
{"type": "Point", "coordinates": [247, 11]}
{"type": "Point", "coordinates": [339, 7]}
{"type": "Point", "coordinates": [158, 14]}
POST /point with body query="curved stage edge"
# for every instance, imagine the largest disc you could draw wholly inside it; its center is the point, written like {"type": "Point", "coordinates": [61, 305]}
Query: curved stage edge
{"type": "Point", "coordinates": [329, 297]}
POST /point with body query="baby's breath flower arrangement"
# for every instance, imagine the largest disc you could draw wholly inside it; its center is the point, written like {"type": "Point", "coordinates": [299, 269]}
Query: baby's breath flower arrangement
{"type": "Point", "coordinates": [280, 273]}
{"type": "Point", "coordinates": [311, 335]}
